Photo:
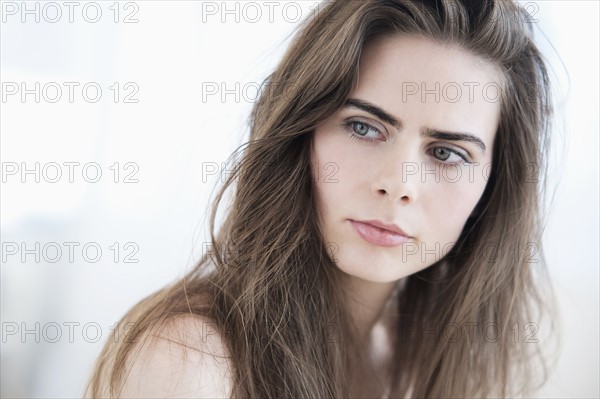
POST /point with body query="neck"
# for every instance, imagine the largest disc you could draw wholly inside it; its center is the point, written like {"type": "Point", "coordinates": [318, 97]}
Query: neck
{"type": "Point", "coordinates": [367, 301]}
{"type": "Point", "coordinates": [368, 306]}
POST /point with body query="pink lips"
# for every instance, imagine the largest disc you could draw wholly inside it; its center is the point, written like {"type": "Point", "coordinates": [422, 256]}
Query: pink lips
{"type": "Point", "coordinates": [379, 233]}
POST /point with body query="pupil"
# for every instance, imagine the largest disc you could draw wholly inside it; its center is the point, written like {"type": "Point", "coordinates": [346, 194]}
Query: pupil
{"type": "Point", "coordinates": [362, 129]}
{"type": "Point", "coordinates": [443, 153]}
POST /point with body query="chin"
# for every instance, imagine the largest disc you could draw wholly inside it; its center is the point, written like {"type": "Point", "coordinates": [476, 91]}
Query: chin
{"type": "Point", "coordinates": [371, 271]}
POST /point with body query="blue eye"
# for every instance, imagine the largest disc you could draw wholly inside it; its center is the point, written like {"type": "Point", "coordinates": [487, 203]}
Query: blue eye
{"type": "Point", "coordinates": [443, 154]}
{"type": "Point", "coordinates": [359, 130]}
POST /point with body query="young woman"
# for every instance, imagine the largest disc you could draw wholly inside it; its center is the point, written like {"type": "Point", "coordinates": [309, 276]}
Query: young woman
{"type": "Point", "coordinates": [384, 234]}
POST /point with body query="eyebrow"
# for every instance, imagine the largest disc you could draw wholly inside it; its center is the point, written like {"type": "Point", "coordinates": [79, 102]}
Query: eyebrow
{"type": "Point", "coordinates": [374, 110]}
{"type": "Point", "coordinates": [453, 136]}
{"type": "Point", "coordinates": [426, 131]}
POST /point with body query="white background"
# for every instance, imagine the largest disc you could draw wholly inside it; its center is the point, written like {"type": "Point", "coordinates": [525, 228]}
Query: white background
{"type": "Point", "coordinates": [173, 131]}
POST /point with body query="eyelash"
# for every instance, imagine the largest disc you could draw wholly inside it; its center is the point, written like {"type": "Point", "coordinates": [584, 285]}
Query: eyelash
{"type": "Point", "coordinates": [349, 125]}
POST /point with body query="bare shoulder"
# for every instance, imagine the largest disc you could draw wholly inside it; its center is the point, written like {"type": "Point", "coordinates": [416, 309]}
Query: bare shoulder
{"type": "Point", "coordinates": [187, 358]}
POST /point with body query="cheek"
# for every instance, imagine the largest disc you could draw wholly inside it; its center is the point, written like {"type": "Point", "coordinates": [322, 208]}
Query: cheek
{"type": "Point", "coordinates": [449, 204]}
{"type": "Point", "coordinates": [324, 164]}
{"type": "Point", "coordinates": [331, 182]}
{"type": "Point", "coordinates": [334, 168]}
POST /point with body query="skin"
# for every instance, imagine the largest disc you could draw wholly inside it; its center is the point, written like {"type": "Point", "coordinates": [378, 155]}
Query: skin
{"type": "Point", "coordinates": [385, 179]}
{"type": "Point", "coordinates": [188, 359]}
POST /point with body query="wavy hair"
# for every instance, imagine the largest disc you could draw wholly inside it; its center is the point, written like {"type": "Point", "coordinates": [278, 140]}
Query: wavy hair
{"type": "Point", "coordinates": [270, 278]}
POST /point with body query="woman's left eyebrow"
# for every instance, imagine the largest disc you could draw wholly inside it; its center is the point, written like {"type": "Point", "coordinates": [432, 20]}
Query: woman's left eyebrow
{"type": "Point", "coordinates": [428, 132]}
{"type": "Point", "coordinates": [453, 136]}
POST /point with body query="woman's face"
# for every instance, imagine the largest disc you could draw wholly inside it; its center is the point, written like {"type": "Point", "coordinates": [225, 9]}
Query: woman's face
{"type": "Point", "coordinates": [412, 147]}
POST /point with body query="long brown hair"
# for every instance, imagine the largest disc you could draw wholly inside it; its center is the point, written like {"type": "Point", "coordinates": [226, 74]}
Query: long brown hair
{"type": "Point", "coordinates": [270, 279]}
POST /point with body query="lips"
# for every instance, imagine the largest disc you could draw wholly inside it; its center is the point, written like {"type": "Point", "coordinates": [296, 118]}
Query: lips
{"type": "Point", "coordinates": [379, 233]}
{"type": "Point", "coordinates": [385, 226]}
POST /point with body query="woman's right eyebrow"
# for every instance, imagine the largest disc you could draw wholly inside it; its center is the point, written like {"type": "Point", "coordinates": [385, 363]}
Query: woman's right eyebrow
{"type": "Point", "coordinates": [375, 110]}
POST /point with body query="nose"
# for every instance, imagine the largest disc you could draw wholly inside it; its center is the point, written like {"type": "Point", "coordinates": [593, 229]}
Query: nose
{"type": "Point", "coordinates": [397, 178]}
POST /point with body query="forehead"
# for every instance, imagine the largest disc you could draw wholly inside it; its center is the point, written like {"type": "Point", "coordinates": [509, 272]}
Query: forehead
{"type": "Point", "coordinates": [426, 83]}
{"type": "Point", "coordinates": [420, 57]}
